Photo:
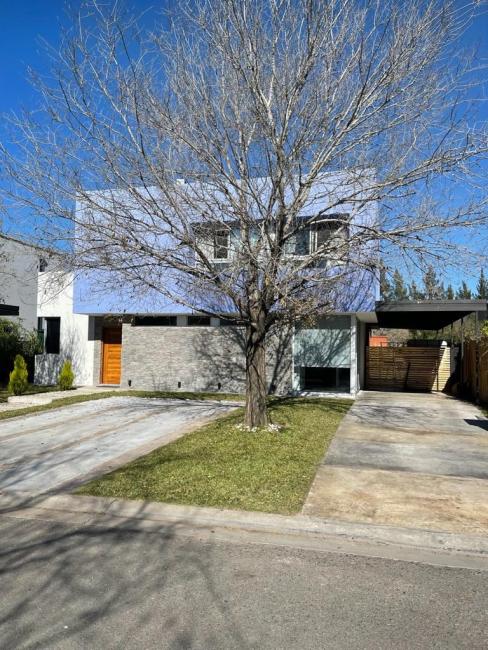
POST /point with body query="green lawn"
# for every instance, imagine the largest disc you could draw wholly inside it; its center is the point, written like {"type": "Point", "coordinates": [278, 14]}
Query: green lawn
{"type": "Point", "coordinates": [4, 394]}
{"type": "Point", "coordinates": [75, 399]}
{"type": "Point", "coordinates": [222, 466]}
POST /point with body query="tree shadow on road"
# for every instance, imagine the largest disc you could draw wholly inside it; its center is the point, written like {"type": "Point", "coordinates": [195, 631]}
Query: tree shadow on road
{"type": "Point", "coordinates": [111, 587]}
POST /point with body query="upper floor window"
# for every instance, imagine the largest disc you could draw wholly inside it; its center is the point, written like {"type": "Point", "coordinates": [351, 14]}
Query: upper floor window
{"type": "Point", "coordinates": [317, 236]}
{"type": "Point", "coordinates": [323, 232]}
{"type": "Point", "coordinates": [42, 264]}
{"type": "Point", "coordinates": [299, 243]}
{"type": "Point", "coordinates": [221, 244]}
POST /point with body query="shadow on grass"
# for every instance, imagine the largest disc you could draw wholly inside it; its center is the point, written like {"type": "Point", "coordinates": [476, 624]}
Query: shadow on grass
{"type": "Point", "coordinates": [325, 404]}
{"type": "Point", "coordinates": [223, 466]}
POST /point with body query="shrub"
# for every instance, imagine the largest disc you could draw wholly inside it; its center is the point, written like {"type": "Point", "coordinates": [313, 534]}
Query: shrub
{"type": "Point", "coordinates": [14, 339]}
{"type": "Point", "coordinates": [66, 376]}
{"type": "Point", "coordinates": [484, 329]}
{"type": "Point", "coordinates": [18, 381]}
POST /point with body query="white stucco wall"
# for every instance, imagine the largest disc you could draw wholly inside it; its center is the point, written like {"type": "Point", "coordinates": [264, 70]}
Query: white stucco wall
{"type": "Point", "coordinates": [55, 299]}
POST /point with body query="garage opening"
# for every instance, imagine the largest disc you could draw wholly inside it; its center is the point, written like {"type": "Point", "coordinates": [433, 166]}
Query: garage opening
{"type": "Point", "coordinates": [323, 379]}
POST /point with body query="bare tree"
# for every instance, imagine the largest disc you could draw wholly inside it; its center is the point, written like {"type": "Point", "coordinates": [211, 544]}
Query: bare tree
{"type": "Point", "coordinates": [232, 156]}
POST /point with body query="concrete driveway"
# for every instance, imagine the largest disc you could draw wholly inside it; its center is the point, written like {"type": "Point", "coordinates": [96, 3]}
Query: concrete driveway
{"type": "Point", "coordinates": [407, 459]}
{"type": "Point", "coordinates": [45, 451]}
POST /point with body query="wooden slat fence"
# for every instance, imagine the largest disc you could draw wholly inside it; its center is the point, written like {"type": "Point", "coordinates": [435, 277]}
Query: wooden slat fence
{"type": "Point", "coordinates": [407, 368]}
{"type": "Point", "coordinates": [475, 370]}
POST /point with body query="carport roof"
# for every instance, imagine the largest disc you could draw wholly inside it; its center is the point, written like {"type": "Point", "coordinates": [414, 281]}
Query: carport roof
{"type": "Point", "coordinates": [425, 314]}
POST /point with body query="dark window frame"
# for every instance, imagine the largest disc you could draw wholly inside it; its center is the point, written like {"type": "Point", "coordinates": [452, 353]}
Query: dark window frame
{"type": "Point", "coordinates": [52, 339]}
{"type": "Point", "coordinates": [154, 321]}
{"type": "Point", "coordinates": [221, 244]}
{"type": "Point", "coordinates": [195, 320]}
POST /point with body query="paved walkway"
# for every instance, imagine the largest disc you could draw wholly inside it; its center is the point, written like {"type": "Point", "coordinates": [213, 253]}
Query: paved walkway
{"type": "Point", "coordinates": [407, 459]}
{"type": "Point", "coordinates": [44, 451]}
{"type": "Point", "coordinates": [16, 402]}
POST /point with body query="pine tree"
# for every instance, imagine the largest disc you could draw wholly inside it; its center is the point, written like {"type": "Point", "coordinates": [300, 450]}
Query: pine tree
{"type": "Point", "coordinates": [18, 381]}
{"type": "Point", "coordinates": [400, 291]}
{"type": "Point", "coordinates": [414, 293]}
{"type": "Point", "coordinates": [432, 286]}
{"type": "Point", "coordinates": [66, 376]}
{"type": "Point", "coordinates": [464, 292]}
{"type": "Point", "coordinates": [449, 292]}
{"type": "Point", "coordinates": [482, 287]}
{"type": "Point", "coordinates": [385, 286]}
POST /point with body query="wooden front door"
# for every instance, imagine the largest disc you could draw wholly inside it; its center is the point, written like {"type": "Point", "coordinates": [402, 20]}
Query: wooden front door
{"type": "Point", "coordinates": [111, 355]}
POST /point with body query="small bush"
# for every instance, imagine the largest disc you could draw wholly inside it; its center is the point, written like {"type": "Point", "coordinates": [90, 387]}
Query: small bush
{"type": "Point", "coordinates": [66, 376]}
{"type": "Point", "coordinates": [14, 339]}
{"type": "Point", "coordinates": [19, 377]}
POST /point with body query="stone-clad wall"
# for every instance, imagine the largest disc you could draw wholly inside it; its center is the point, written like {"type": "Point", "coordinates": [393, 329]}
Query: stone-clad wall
{"type": "Point", "coordinates": [157, 358]}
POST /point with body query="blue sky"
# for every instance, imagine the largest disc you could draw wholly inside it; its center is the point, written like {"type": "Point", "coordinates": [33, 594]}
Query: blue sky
{"type": "Point", "coordinates": [25, 22]}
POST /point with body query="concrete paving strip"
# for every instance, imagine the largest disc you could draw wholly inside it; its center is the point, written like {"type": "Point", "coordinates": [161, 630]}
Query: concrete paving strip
{"type": "Point", "coordinates": [410, 500]}
{"type": "Point", "coordinates": [299, 531]}
{"type": "Point", "coordinates": [442, 457]}
{"type": "Point", "coordinates": [416, 461]}
{"type": "Point", "coordinates": [477, 435]}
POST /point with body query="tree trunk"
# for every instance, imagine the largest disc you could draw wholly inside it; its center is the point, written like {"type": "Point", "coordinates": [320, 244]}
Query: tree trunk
{"type": "Point", "coordinates": [256, 388]}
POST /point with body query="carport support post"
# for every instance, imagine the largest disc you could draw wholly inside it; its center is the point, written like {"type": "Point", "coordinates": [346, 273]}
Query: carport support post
{"type": "Point", "coordinates": [462, 354]}
{"type": "Point", "coordinates": [477, 352]}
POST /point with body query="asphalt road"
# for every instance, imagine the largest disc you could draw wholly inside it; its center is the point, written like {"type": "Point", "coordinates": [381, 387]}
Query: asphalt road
{"type": "Point", "coordinates": [67, 587]}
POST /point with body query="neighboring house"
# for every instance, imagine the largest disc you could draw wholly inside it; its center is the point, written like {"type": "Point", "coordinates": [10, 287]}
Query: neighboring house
{"type": "Point", "coordinates": [65, 333]}
{"type": "Point", "coordinates": [20, 263]}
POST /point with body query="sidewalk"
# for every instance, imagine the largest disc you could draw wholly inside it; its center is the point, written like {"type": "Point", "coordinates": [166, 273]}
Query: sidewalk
{"type": "Point", "coordinates": [301, 531]}
{"type": "Point", "coordinates": [35, 399]}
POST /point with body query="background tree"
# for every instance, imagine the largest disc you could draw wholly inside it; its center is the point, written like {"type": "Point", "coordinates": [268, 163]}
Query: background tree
{"type": "Point", "coordinates": [433, 289]}
{"type": "Point", "coordinates": [464, 292]}
{"type": "Point", "coordinates": [449, 292]}
{"type": "Point", "coordinates": [482, 287]}
{"type": "Point", "coordinates": [400, 291]}
{"type": "Point", "coordinates": [223, 93]}
{"type": "Point", "coordinates": [385, 286]}
{"type": "Point", "coordinates": [414, 292]}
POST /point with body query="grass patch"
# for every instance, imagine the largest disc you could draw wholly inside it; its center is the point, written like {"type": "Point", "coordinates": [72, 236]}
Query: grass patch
{"type": "Point", "coordinates": [76, 399]}
{"type": "Point", "coordinates": [32, 390]}
{"type": "Point", "coordinates": [223, 467]}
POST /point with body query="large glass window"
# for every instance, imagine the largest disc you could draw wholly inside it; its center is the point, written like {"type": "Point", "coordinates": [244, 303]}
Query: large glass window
{"type": "Point", "coordinates": [299, 243]}
{"type": "Point", "coordinates": [323, 232]}
{"type": "Point", "coordinates": [326, 379]}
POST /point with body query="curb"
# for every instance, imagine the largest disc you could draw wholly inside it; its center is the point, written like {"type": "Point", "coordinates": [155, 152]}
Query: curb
{"type": "Point", "coordinates": [301, 531]}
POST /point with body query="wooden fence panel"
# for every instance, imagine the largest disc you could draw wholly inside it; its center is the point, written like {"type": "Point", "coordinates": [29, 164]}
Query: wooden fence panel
{"type": "Point", "coordinates": [404, 368]}
{"type": "Point", "coordinates": [475, 369]}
